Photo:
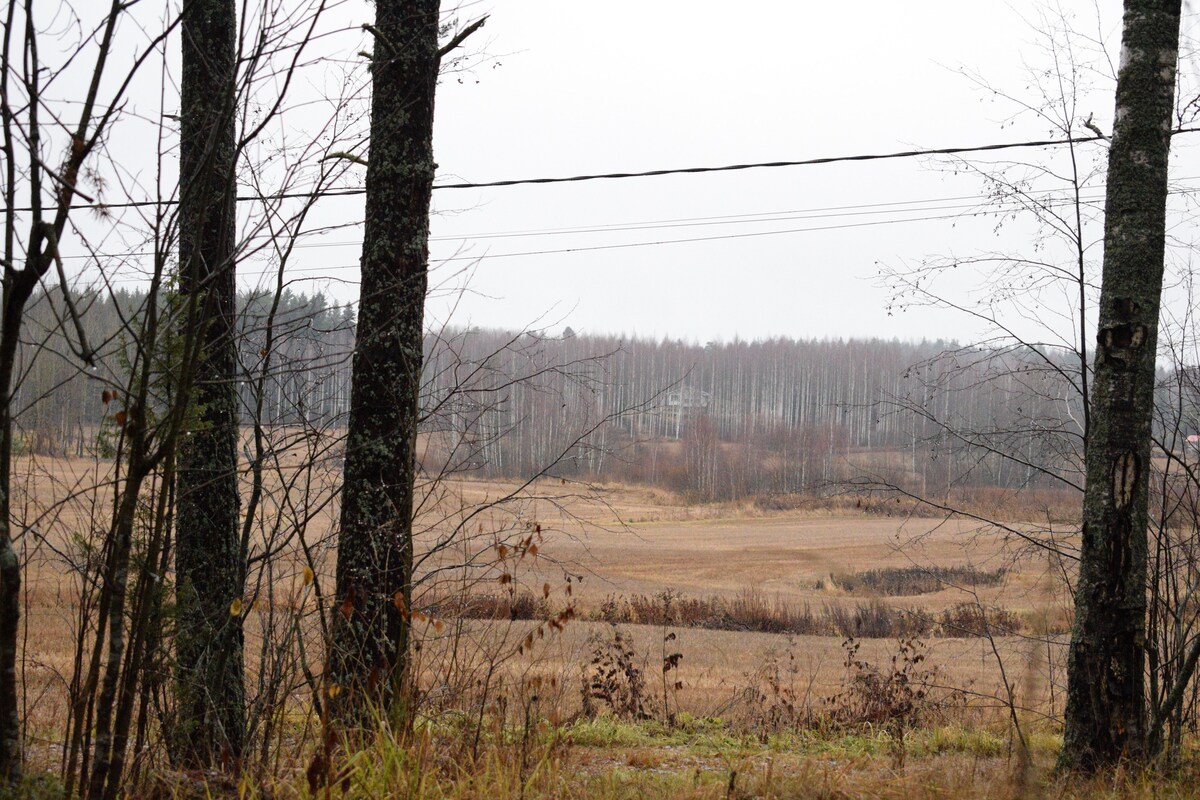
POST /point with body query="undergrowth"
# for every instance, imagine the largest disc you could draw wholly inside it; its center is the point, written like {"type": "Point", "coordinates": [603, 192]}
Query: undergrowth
{"type": "Point", "coordinates": [908, 581]}
{"type": "Point", "coordinates": [753, 611]}
{"type": "Point", "coordinates": [608, 759]}
{"type": "Point", "coordinates": [892, 731]}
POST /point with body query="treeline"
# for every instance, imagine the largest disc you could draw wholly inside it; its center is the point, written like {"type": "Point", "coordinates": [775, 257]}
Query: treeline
{"type": "Point", "coordinates": [727, 420]}
{"type": "Point", "coordinates": [304, 342]}
{"type": "Point", "coordinates": [720, 420]}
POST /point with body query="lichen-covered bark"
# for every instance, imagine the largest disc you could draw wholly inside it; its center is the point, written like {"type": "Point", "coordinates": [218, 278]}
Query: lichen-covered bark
{"type": "Point", "coordinates": [210, 564]}
{"type": "Point", "coordinates": [1106, 712]}
{"type": "Point", "coordinates": [370, 628]}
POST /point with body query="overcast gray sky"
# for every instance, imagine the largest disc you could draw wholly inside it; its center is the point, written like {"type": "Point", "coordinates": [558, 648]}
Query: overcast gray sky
{"type": "Point", "coordinates": [628, 86]}
{"type": "Point", "coordinates": [560, 88]}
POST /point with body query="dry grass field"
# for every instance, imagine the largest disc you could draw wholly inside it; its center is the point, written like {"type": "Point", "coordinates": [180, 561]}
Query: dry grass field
{"type": "Point", "coordinates": [643, 542]}
{"type": "Point", "coordinates": [600, 544]}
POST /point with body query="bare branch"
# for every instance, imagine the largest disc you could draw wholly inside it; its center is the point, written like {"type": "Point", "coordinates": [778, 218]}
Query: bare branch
{"type": "Point", "coordinates": [461, 37]}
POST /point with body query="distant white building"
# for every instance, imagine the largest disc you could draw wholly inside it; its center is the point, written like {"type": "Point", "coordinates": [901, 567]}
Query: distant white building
{"type": "Point", "coordinates": [688, 399]}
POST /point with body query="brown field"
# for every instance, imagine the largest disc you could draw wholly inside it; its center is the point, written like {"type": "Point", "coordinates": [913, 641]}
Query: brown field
{"type": "Point", "coordinates": [611, 542]}
{"type": "Point", "coordinates": [792, 556]}
{"type": "Point", "coordinates": [632, 540]}
{"type": "Point", "coordinates": [789, 555]}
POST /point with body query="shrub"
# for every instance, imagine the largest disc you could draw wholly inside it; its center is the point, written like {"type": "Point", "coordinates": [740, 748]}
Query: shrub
{"type": "Point", "coordinates": [519, 605]}
{"type": "Point", "coordinates": [747, 611]}
{"type": "Point", "coordinates": [895, 698]}
{"type": "Point", "coordinates": [612, 678]}
{"type": "Point", "coordinates": [908, 581]}
{"type": "Point", "coordinates": [752, 611]}
{"type": "Point", "coordinates": [973, 619]}
{"type": "Point", "coordinates": [878, 620]}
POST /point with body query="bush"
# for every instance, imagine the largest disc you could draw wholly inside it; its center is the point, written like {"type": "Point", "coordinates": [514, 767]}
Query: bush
{"type": "Point", "coordinates": [878, 620]}
{"type": "Point", "coordinates": [973, 619]}
{"type": "Point", "coordinates": [748, 611]}
{"type": "Point", "coordinates": [519, 605]}
{"type": "Point", "coordinates": [908, 581]}
{"type": "Point", "coordinates": [752, 611]}
{"type": "Point", "coordinates": [896, 698]}
{"type": "Point", "coordinates": [612, 678]}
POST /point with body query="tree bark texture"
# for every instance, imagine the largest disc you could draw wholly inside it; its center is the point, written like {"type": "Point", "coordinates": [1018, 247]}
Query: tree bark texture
{"type": "Point", "coordinates": [1106, 698]}
{"type": "Point", "coordinates": [210, 562]}
{"type": "Point", "coordinates": [368, 657]}
{"type": "Point", "coordinates": [17, 290]}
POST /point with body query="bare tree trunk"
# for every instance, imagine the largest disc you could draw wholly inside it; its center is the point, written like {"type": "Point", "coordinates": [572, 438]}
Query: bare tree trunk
{"type": "Point", "coordinates": [15, 296]}
{"type": "Point", "coordinates": [21, 126]}
{"type": "Point", "coordinates": [1106, 698]}
{"type": "Point", "coordinates": [210, 562]}
{"type": "Point", "coordinates": [368, 657]}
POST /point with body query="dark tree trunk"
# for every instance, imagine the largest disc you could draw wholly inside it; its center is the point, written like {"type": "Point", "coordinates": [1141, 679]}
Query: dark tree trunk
{"type": "Point", "coordinates": [1106, 703]}
{"type": "Point", "coordinates": [370, 627]}
{"type": "Point", "coordinates": [210, 562]}
{"type": "Point", "coordinates": [46, 228]}
{"type": "Point", "coordinates": [17, 288]}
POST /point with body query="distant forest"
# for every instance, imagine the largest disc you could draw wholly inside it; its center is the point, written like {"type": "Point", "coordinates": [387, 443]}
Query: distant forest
{"type": "Point", "coordinates": [716, 421]}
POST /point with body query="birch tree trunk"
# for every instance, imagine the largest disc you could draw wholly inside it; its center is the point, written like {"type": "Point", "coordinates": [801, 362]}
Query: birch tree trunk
{"type": "Point", "coordinates": [1106, 702]}
{"type": "Point", "coordinates": [210, 562]}
{"type": "Point", "coordinates": [368, 657]}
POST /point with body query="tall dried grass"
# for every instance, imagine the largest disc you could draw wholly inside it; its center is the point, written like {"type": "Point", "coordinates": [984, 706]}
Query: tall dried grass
{"type": "Point", "coordinates": [752, 611]}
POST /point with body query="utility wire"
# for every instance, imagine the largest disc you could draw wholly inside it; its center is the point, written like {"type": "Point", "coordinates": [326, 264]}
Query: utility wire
{"type": "Point", "coordinates": [760, 217]}
{"type": "Point", "coordinates": [932, 204]}
{"type": "Point", "coordinates": [836, 212]}
{"type": "Point", "coordinates": [654, 173]}
{"type": "Point", "coordinates": [619, 246]}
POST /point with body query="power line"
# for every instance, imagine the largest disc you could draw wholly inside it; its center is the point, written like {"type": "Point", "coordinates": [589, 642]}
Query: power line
{"type": "Point", "coordinates": [912, 207]}
{"type": "Point", "coordinates": [784, 215]}
{"type": "Point", "coordinates": [619, 246]}
{"type": "Point", "coordinates": [932, 204]}
{"type": "Point", "coordinates": [781, 216]}
{"type": "Point", "coordinates": [655, 173]}
{"type": "Point", "coordinates": [750, 235]}
{"type": "Point", "coordinates": [624, 245]}
{"type": "Point", "coordinates": [749, 217]}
